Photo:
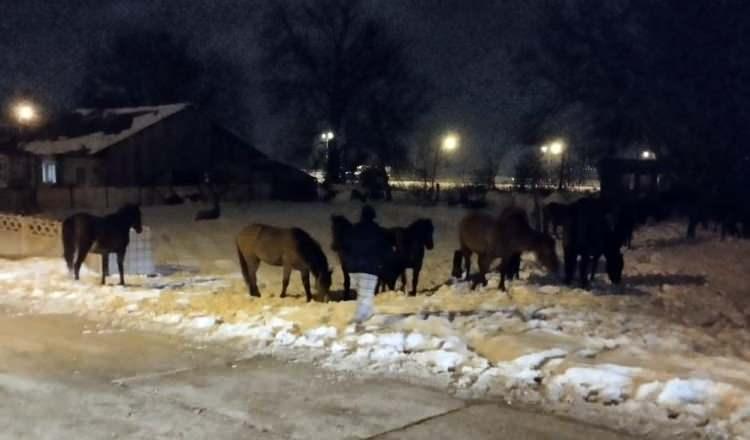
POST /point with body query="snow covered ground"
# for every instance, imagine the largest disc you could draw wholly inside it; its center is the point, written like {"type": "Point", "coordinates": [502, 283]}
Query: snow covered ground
{"type": "Point", "coordinates": [667, 353]}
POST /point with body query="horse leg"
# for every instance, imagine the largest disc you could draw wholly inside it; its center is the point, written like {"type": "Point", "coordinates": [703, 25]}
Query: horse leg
{"type": "Point", "coordinates": [252, 272]}
{"type": "Point", "coordinates": [249, 267]}
{"type": "Point", "coordinates": [503, 270]}
{"type": "Point", "coordinates": [121, 266]}
{"type": "Point", "coordinates": [403, 278]}
{"type": "Point", "coordinates": [347, 284]}
{"type": "Point", "coordinates": [583, 270]}
{"type": "Point", "coordinates": [83, 250]}
{"type": "Point", "coordinates": [285, 281]}
{"type": "Point", "coordinates": [570, 265]}
{"type": "Point", "coordinates": [484, 266]}
{"type": "Point", "coordinates": [305, 275]}
{"type": "Point", "coordinates": [105, 268]}
{"type": "Point", "coordinates": [594, 266]}
{"type": "Point", "coordinates": [414, 280]}
{"type": "Point", "coordinates": [467, 261]}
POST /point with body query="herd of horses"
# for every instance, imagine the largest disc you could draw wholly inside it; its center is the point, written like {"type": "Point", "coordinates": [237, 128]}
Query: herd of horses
{"type": "Point", "coordinates": [592, 228]}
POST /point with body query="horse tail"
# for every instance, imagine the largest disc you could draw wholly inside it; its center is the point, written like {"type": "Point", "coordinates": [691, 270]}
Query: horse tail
{"type": "Point", "coordinates": [69, 241]}
{"type": "Point", "coordinates": [243, 265]}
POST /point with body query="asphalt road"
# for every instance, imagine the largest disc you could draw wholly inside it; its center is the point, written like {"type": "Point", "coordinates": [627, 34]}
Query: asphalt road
{"type": "Point", "coordinates": [64, 378]}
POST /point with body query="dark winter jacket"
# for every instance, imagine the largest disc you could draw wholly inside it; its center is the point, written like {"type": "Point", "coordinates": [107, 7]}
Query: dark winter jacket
{"type": "Point", "coordinates": [366, 249]}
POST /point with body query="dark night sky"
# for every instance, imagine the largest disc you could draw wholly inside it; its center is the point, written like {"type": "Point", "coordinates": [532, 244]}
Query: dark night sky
{"type": "Point", "coordinates": [458, 43]}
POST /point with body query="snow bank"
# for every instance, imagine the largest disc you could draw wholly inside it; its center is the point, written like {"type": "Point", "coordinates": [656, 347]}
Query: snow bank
{"type": "Point", "coordinates": [565, 346]}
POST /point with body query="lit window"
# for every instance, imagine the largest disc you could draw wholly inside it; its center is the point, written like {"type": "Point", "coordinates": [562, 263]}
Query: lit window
{"type": "Point", "coordinates": [49, 171]}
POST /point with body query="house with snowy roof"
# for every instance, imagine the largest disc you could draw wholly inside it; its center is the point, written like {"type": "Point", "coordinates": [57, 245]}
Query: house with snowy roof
{"type": "Point", "coordinates": [156, 146]}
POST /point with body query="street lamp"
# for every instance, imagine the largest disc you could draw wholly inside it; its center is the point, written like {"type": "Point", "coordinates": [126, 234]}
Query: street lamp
{"type": "Point", "coordinates": [450, 142]}
{"type": "Point", "coordinates": [557, 148]}
{"type": "Point", "coordinates": [326, 137]}
{"type": "Point", "coordinates": [647, 154]}
{"type": "Point", "coordinates": [25, 113]}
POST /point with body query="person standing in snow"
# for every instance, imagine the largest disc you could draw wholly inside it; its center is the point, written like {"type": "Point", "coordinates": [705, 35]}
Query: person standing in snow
{"type": "Point", "coordinates": [365, 255]}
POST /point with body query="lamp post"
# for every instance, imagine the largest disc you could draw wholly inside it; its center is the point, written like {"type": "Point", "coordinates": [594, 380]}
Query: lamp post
{"type": "Point", "coordinates": [448, 145]}
{"type": "Point", "coordinates": [331, 173]}
{"type": "Point", "coordinates": [326, 137]}
{"type": "Point", "coordinates": [557, 148]}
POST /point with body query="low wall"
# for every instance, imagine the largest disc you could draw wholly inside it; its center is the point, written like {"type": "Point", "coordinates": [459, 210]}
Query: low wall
{"type": "Point", "coordinates": [29, 236]}
{"type": "Point", "coordinates": [22, 236]}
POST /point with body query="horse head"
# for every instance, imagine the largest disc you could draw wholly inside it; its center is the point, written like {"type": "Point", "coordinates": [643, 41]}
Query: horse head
{"type": "Point", "coordinates": [132, 215]}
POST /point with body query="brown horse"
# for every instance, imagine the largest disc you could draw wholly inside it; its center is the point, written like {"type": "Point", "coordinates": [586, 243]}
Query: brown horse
{"type": "Point", "coordinates": [291, 248]}
{"type": "Point", "coordinates": [503, 237]}
{"type": "Point", "coordinates": [107, 234]}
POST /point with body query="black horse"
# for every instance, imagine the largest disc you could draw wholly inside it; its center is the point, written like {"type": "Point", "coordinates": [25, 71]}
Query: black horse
{"type": "Point", "coordinates": [554, 214]}
{"type": "Point", "coordinates": [589, 232]}
{"type": "Point", "coordinates": [107, 234]}
{"type": "Point", "coordinates": [409, 244]}
{"type": "Point", "coordinates": [342, 233]}
{"type": "Point", "coordinates": [341, 227]}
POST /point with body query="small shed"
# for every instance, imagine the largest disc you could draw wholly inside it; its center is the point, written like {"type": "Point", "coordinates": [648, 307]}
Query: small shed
{"type": "Point", "coordinates": [638, 177]}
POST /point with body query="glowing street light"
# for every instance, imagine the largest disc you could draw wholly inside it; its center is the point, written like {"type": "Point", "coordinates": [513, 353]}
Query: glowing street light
{"type": "Point", "coordinates": [647, 154]}
{"type": "Point", "coordinates": [450, 142]}
{"type": "Point", "coordinates": [327, 136]}
{"type": "Point", "coordinates": [25, 113]}
{"type": "Point", "coordinates": [557, 147]}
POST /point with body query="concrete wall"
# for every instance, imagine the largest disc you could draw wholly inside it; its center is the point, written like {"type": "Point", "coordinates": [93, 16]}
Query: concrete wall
{"type": "Point", "coordinates": [29, 236]}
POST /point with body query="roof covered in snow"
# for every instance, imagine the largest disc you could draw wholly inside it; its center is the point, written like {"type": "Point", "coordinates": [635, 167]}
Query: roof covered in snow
{"type": "Point", "coordinates": [91, 131]}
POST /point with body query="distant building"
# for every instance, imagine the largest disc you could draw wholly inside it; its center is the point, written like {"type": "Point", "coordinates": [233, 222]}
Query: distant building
{"type": "Point", "coordinates": [637, 177]}
{"type": "Point", "coordinates": [157, 146]}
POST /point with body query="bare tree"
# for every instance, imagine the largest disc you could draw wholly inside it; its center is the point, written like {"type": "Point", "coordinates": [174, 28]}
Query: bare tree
{"type": "Point", "coordinates": [327, 61]}
{"type": "Point", "coordinates": [151, 67]}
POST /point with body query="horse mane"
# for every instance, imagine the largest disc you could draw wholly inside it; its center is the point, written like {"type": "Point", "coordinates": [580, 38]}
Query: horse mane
{"type": "Point", "coordinates": [311, 251]}
{"type": "Point", "coordinates": [420, 228]}
{"type": "Point", "coordinates": [127, 209]}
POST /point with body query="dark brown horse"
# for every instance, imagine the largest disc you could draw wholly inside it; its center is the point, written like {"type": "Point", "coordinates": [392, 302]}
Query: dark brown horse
{"type": "Point", "coordinates": [291, 248]}
{"type": "Point", "coordinates": [409, 244]}
{"type": "Point", "coordinates": [107, 234]}
{"type": "Point", "coordinates": [503, 237]}
{"type": "Point", "coordinates": [589, 233]}
{"type": "Point", "coordinates": [341, 227]}
{"type": "Point", "coordinates": [554, 214]}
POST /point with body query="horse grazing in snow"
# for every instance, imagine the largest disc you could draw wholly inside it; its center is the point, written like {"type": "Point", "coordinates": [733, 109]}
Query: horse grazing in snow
{"type": "Point", "coordinates": [291, 248]}
{"type": "Point", "coordinates": [504, 237]}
